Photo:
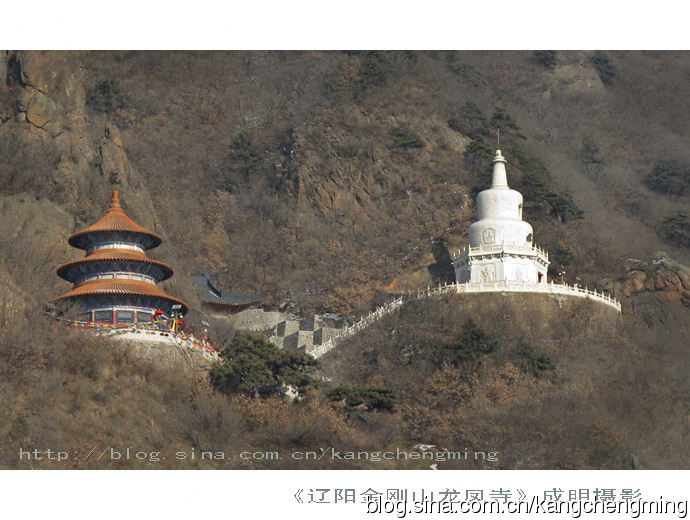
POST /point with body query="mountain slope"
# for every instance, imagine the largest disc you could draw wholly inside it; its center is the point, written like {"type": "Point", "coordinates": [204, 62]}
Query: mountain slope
{"type": "Point", "coordinates": [314, 177]}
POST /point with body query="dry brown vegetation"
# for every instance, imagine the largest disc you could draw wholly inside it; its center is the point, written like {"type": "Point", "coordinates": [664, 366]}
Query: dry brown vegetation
{"type": "Point", "coordinates": [66, 391]}
{"type": "Point", "coordinates": [616, 389]}
{"type": "Point", "coordinates": [313, 177]}
{"type": "Point", "coordinates": [612, 387]}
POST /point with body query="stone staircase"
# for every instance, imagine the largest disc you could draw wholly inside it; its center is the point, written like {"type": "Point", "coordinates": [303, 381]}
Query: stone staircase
{"type": "Point", "coordinates": [307, 334]}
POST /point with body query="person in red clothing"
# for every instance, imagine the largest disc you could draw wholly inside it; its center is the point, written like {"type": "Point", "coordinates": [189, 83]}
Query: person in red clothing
{"type": "Point", "coordinates": [158, 319]}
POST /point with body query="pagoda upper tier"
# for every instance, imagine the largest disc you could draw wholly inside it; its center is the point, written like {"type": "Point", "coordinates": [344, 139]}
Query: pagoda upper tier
{"type": "Point", "coordinates": [116, 277]}
{"type": "Point", "coordinates": [114, 225]}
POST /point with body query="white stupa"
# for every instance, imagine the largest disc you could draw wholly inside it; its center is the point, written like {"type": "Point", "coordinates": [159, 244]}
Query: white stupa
{"type": "Point", "coordinates": [501, 247]}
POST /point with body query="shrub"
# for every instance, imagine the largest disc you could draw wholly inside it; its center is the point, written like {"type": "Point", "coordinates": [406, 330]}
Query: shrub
{"type": "Point", "coordinates": [20, 427]}
{"type": "Point", "coordinates": [403, 136]}
{"type": "Point", "coordinates": [335, 90]}
{"type": "Point", "coordinates": [536, 179]}
{"type": "Point", "coordinates": [590, 157]}
{"type": "Point", "coordinates": [243, 155]}
{"type": "Point", "coordinates": [243, 158]}
{"type": "Point", "coordinates": [503, 121]}
{"type": "Point", "coordinates": [376, 67]}
{"type": "Point", "coordinates": [254, 366]}
{"type": "Point", "coordinates": [564, 207]}
{"type": "Point", "coordinates": [546, 59]}
{"type": "Point", "coordinates": [590, 153]}
{"type": "Point", "coordinates": [471, 344]}
{"type": "Point", "coordinates": [465, 71]}
{"type": "Point", "coordinates": [533, 362]}
{"type": "Point", "coordinates": [372, 397]}
{"type": "Point", "coordinates": [478, 155]}
{"type": "Point", "coordinates": [105, 96]}
{"type": "Point", "coordinates": [630, 199]}
{"type": "Point", "coordinates": [14, 72]}
{"type": "Point", "coordinates": [537, 186]}
{"type": "Point", "coordinates": [603, 66]}
{"type": "Point", "coordinates": [469, 121]}
{"type": "Point", "coordinates": [676, 229]}
{"type": "Point", "coordinates": [562, 256]}
{"type": "Point", "coordinates": [669, 176]}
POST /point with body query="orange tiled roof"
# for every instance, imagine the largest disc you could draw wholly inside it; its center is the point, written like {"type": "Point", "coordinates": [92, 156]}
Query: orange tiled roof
{"type": "Point", "coordinates": [115, 255]}
{"type": "Point", "coordinates": [115, 219]}
{"type": "Point", "coordinates": [119, 286]}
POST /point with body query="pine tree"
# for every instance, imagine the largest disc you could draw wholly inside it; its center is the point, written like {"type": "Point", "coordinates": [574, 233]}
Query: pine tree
{"type": "Point", "coordinates": [669, 176]}
{"type": "Point", "coordinates": [676, 229]}
{"type": "Point", "coordinates": [471, 344]}
{"type": "Point", "coordinates": [469, 121]}
{"type": "Point", "coordinates": [253, 366]}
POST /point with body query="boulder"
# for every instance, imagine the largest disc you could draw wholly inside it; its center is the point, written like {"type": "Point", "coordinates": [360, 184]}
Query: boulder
{"type": "Point", "coordinates": [632, 264]}
{"type": "Point", "coordinates": [634, 282]}
{"type": "Point", "coordinates": [41, 109]}
{"type": "Point", "coordinates": [25, 216]}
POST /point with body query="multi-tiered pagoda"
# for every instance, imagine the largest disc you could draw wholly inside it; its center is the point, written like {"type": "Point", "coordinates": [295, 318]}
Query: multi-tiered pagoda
{"type": "Point", "coordinates": [115, 283]}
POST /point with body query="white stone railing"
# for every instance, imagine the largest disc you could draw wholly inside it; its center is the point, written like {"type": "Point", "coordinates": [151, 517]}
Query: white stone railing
{"type": "Point", "coordinates": [533, 287]}
{"type": "Point", "coordinates": [362, 324]}
{"type": "Point", "coordinates": [147, 335]}
{"type": "Point", "coordinates": [144, 333]}
{"type": "Point", "coordinates": [530, 287]}
{"type": "Point", "coordinates": [507, 248]}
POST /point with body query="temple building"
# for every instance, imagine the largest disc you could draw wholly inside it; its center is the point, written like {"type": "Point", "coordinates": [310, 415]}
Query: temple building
{"type": "Point", "coordinates": [501, 244]}
{"type": "Point", "coordinates": [216, 300]}
{"type": "Point", "coordinates": [116, 283]}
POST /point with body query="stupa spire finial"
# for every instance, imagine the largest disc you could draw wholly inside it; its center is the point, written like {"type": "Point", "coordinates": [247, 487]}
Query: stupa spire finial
{"type": "Point", "coordinates": [499, 179]}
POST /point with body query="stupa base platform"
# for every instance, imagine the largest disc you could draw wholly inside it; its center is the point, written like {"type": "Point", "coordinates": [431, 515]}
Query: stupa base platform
{"type": "Point", "coordinates": [526, 287]}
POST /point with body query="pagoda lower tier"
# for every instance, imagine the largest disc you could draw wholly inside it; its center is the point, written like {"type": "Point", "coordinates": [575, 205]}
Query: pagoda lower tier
{"type": "Point", "coordinates": [119, 301]}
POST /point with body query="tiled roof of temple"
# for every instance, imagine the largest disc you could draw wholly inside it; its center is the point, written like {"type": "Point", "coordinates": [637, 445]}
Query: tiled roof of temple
{"type": "Point", "coordinates": [115, 219]}
{"type": "Point", "coordinates": [119, 286]}
{"type": "Point", "coordinates": [209, 293]}
{"type": "Point", "coordinates": [105, 255]}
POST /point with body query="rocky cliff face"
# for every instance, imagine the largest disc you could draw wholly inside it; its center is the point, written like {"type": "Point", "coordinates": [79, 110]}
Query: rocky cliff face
{"type": "Point", "coordinates": [44, 122]}
{"type": "Point", "coordinates": [657, 290]}
{"type": "Point", "coordinates": [53, 147]}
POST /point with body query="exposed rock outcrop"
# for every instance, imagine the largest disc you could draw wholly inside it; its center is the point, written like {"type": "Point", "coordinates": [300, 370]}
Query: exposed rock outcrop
{"type": "Point", "coordinates": [33, 238]}
{"type": "Point", "coordinates": [658, 291]}
{"type": "Point", "coordinates": [42, 105]}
